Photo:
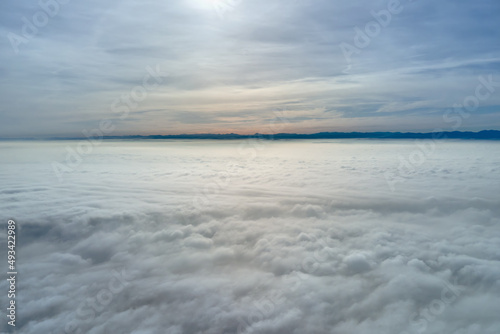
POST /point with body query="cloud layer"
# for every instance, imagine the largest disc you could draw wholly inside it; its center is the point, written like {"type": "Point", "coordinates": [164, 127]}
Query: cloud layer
{"type": "Point", "coordinates": [228, 74]}
{"type": "Point", "coordinates": [292, 237]}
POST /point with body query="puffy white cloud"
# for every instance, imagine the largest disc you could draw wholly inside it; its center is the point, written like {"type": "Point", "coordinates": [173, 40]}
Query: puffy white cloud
{"type": "Point", "coordinates": [306, 237]}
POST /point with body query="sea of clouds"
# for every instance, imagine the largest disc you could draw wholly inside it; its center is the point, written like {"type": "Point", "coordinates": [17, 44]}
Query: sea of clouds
{"type": "Point", "coordinates": [185, 237]}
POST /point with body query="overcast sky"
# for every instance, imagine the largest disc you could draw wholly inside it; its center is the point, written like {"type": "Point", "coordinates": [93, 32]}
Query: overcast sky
{"type": "Point", "coordinates": [234, 65]}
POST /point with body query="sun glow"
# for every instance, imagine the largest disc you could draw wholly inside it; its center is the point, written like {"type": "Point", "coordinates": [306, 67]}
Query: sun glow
{"type": "Point", "coordinates": [220, 7]}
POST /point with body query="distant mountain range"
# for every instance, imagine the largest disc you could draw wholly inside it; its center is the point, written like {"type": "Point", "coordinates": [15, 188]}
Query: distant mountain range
{"type": "Point", "coordinates": [481, 135]}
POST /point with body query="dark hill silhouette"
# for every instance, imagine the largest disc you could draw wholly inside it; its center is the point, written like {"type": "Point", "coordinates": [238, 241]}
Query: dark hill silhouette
{"type": "Point", "coordinates": [481, 135]}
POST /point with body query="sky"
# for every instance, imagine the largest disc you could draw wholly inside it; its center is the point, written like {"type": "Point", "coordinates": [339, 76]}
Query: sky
{"type": "Point", "coordinates": [198, 66]}
{"type": "Point", "coordinates": [192, 237]}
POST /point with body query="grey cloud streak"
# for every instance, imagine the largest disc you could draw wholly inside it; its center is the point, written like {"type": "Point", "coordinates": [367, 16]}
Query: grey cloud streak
{"type": "Point", "coordinates": [87, 54]}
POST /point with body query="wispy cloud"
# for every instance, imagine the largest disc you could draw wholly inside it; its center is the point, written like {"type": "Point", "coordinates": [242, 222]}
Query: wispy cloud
{"type": "Point", "coordinates": [261, 51]}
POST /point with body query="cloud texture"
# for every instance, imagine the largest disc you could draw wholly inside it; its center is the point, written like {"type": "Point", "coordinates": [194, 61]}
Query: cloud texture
{"type": "Point", "coordinates": [286, 237]}
{"type": "Point", "coordinates": [228, 74]}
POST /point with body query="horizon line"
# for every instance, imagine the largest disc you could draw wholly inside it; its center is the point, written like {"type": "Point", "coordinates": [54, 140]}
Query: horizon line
{"type": "Point", "coordinates": [482, 134]}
